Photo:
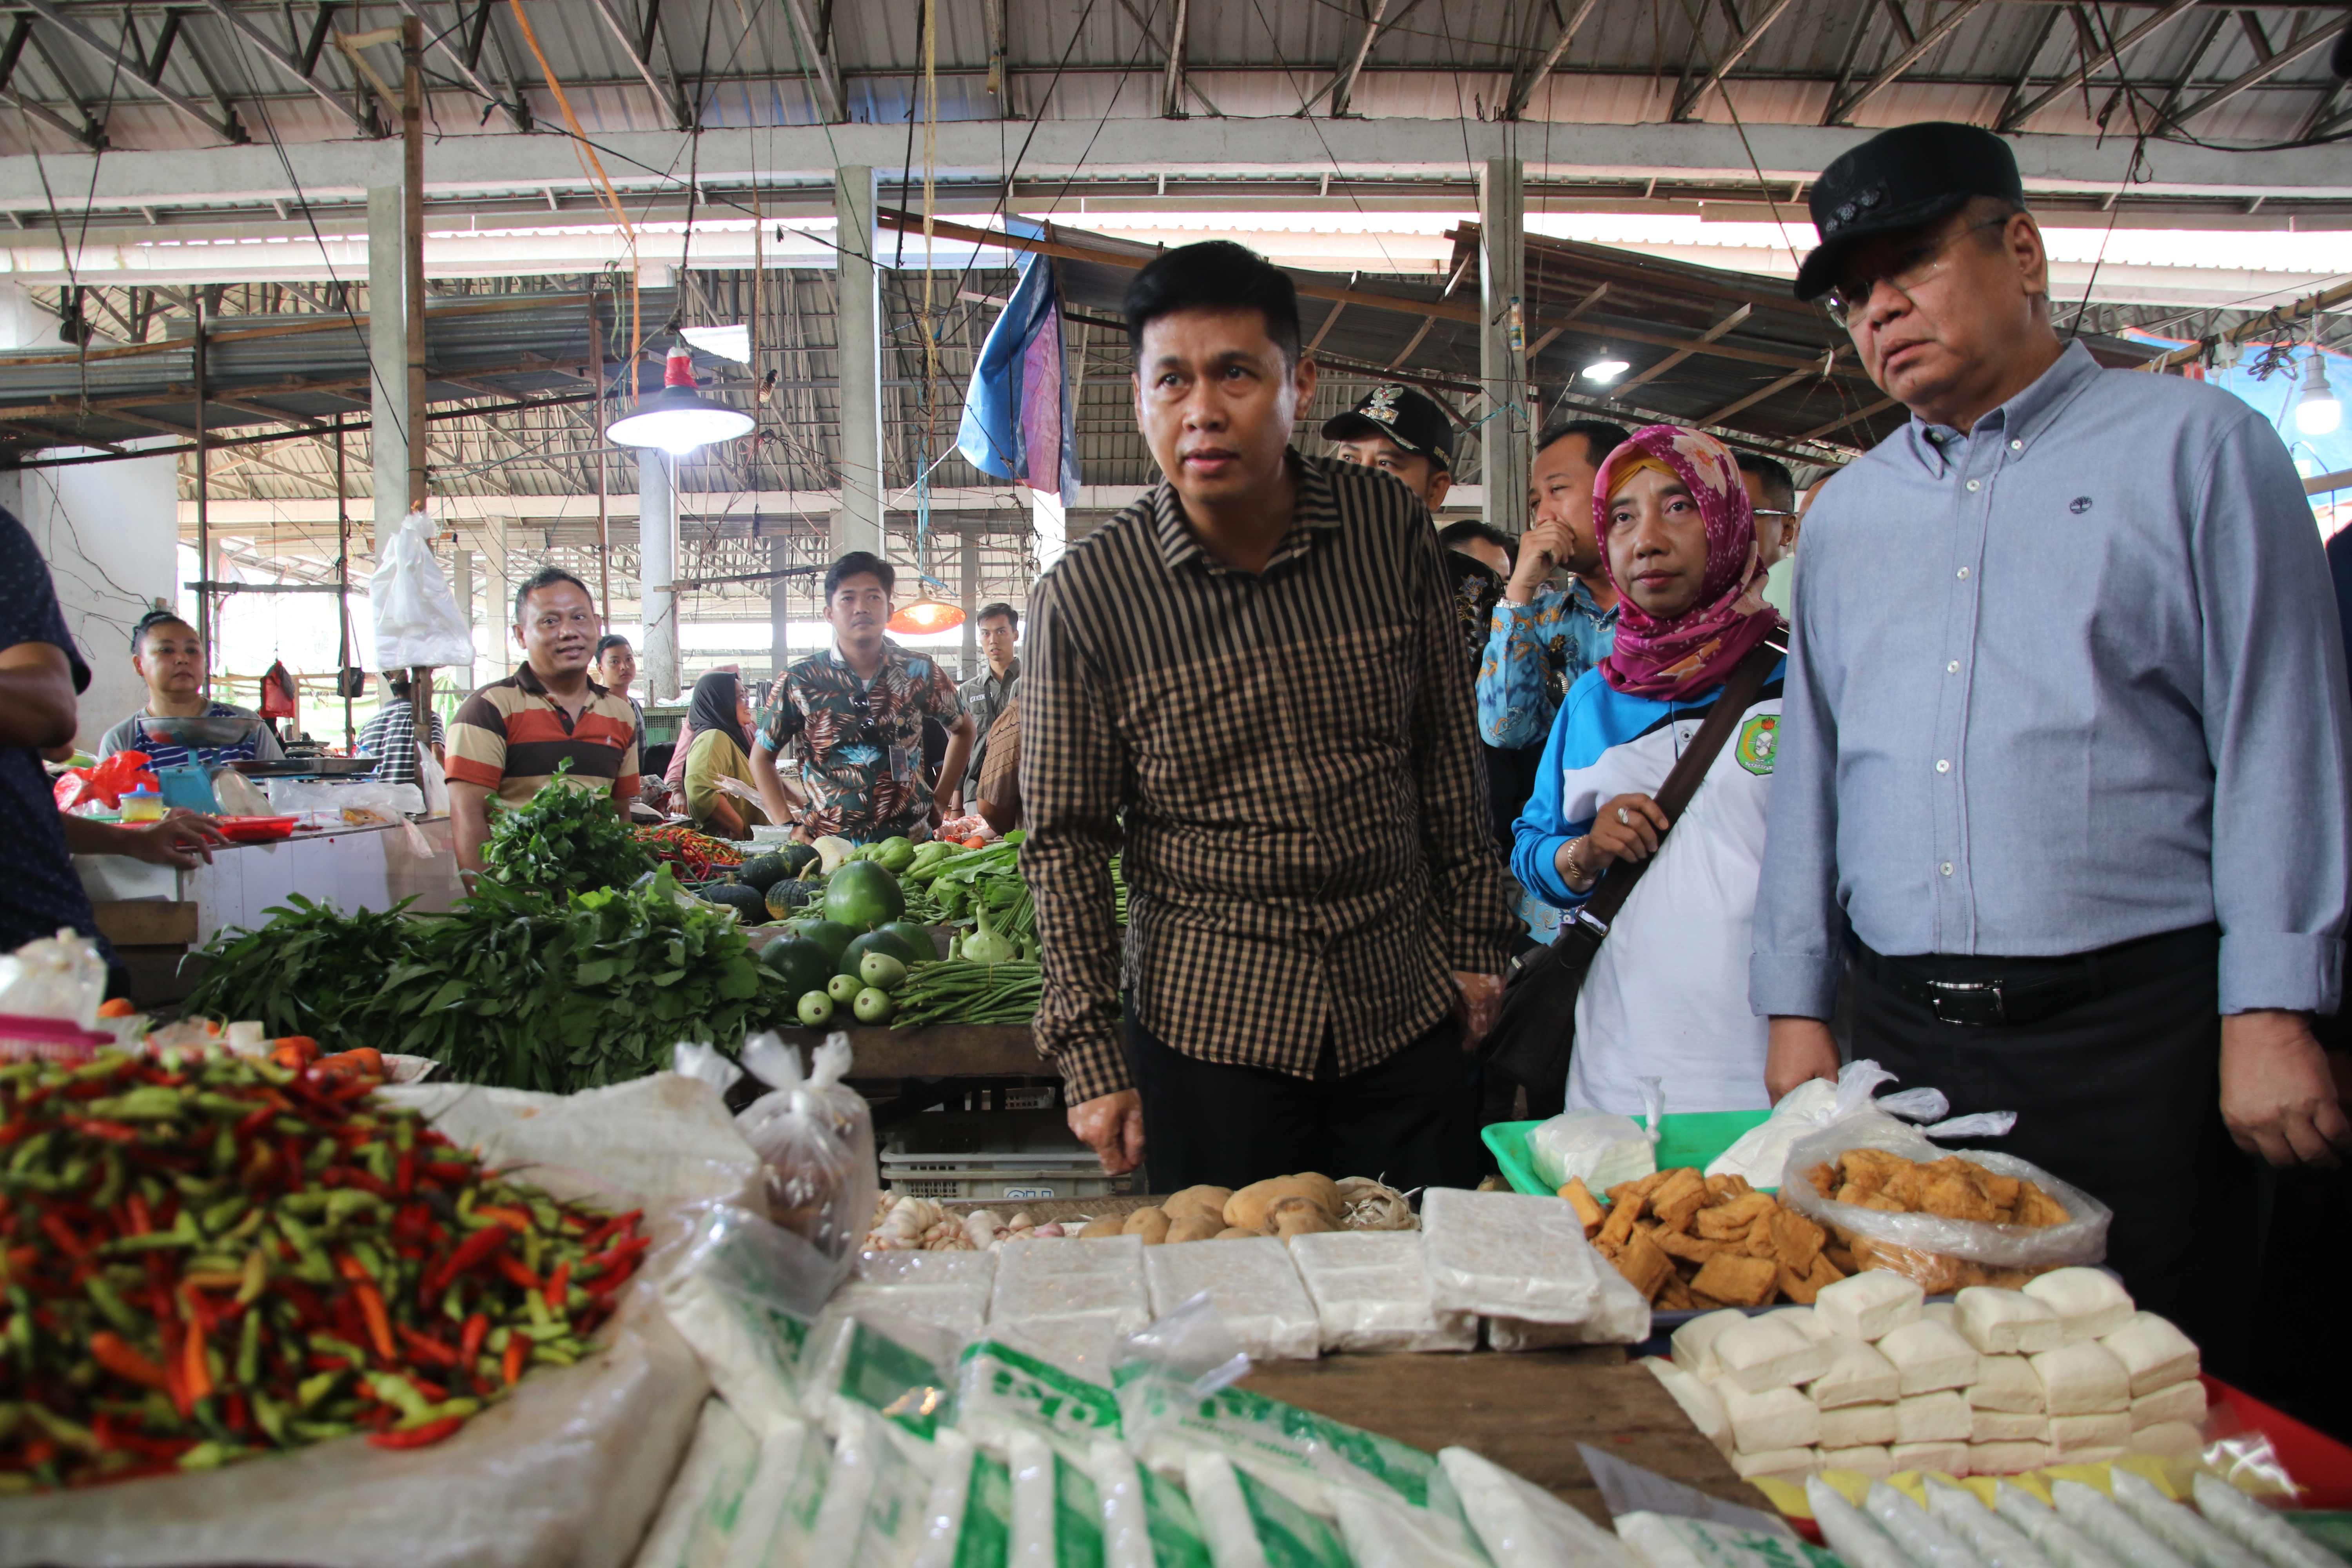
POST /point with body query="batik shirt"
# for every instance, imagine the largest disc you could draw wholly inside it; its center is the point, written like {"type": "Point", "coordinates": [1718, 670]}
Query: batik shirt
{"type": "Point", "coordinates": [861, 743]}
{"type": "Point", "coordinates": [1534, 652]}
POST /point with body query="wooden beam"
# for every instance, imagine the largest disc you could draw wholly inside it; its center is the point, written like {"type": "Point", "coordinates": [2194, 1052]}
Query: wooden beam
{"type": "Point", "coordinates": [1525, 83]}
{"type": "Point", "coordinates": [1671, 359]}
{"type": "Point", "coordinates": [1759, 396]}
{"type": "Point", "coordinates": [447, 42]}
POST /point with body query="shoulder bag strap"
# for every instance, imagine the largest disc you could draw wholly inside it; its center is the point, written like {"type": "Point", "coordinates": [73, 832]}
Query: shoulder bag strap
{"type": "Point", "coordinates": [1683, 780]}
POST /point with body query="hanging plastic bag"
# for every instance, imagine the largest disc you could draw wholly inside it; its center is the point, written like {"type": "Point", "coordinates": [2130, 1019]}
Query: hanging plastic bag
{"type": "Point", "coordinates": [432, 782]}
{"type": "Point", "coordinates": [815, 1136]}
{"type": "Point", "coordinates": [1762, 1151]}
{"type": "Point", "coordinates": [277, 694]}
{"type": "Point", "coordinates": [417, 622]}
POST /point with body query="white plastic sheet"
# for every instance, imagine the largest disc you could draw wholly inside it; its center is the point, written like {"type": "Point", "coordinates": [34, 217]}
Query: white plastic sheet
{"type": "Point", "coordinates": [416, 617]}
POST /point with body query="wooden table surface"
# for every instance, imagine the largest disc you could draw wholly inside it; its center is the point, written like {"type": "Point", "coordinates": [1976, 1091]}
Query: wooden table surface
{"type": "Point", "coordinates": [1526, 1411]}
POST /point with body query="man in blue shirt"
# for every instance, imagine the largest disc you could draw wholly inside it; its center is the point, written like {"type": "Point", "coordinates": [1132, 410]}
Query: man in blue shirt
{"type": "Point", "coordinates": [2063, 755]}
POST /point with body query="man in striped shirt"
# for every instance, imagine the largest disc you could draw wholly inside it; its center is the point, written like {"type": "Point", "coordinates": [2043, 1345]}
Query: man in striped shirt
{"type": "Point", "coordinates": [1249, 686]}
{"type": "Point", "coordinates": [513, 734]}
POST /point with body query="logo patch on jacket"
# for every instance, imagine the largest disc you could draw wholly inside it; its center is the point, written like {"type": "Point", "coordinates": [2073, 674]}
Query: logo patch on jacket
{"type": "Point", "coordinates": [1758, 739]}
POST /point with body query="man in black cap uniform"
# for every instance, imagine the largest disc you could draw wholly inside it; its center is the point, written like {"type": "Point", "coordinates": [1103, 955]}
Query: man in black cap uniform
{"type": "Point", "coordinates": [2063, 755]}
{"type": "Point", "coordinates": [1402, 433]}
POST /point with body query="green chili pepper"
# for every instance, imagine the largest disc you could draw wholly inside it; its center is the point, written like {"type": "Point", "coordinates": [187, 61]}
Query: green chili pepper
{"type": "Point", "coordinates": [118, 1311]}
{"type": "Point", "coordinates": [400, 1393]}
{"type": "Point", "coordinates": [209, 1455]}
{"type": "Point", "coordinates": [224, 1149]}
{"type": "Point", "coordinates": [289, 1126]}
{"type": "Point", "coordinates": [270, 1415]}
{"type": "Point", "coordinates": [320, 1431]}
{"type": "Point", "coordinates": [223, 1215]}
{"type": "Point", "coordinates": [314, 1388]}
{"type": "Point", "coordinates": [221, 1105]}
{"type": "Point", "coordinates": [345, 1202]}
{"type": "Point", "coordinates": [110, 1189]}
{"type": "Point", "coordinates": [248, 1352]}
{"type": "Point", "coordinates": [310, 1202]}
{"type": "Point", "coordinates": [368, 1257]}
{"type": "Point", "coordinates": [34, 1149]}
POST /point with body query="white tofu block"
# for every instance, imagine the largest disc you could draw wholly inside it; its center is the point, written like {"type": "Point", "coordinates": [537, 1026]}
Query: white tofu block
{"type": "Point", "coordinates": [1254, 1287]}
{"type": "Point", "coordinates": [2167, 1439]}
{"type": "Point", "coordinates": [1857, 1374]}
{"type": "Point", "coordinates": [1805, 1320]}
{"type": "Point", "coordinates": [2083, 1378]}
{"type": "Point", "coordinates": [1776, 1419]}
{"type": "Point", "coordinates": [2182, 1401]}
{"type": "Point", "coordinates": [1620, 1318]}
{"type": "Point", "coordinates": [2007, 1458]}
{"type": "Point", "coordinates": [1370, 1290]}
{"type": "Point", "coordinates": [960, 1306]}
{"type": "Point", "coordinates": [1764, 1352]}
{"type": "Point", "coordinates": [1940, 1417]}
{"type": "Point", "coordinates": [1951, 1459]}
{"type": "Point", "coordinates": [1942, 1312]}
{"type": "Point", "coordinates": [1870, 1459]}
{"type": "Point", "coordinates": [925, 1268]}
{"type": "Point", "coordinates": [1055, 1280]}
{"type": "Point", "coordinates": [2153, 1351]}
{"type": "Point", "coordinates": [2007, 1322]}
{"type": "Point", "coordinates": [2091, 1303]}
{"type": "Point", "coordinates": [1789, 1463]}
{"type": "Point", "coordinates": [1854, 1425]}
{"type": "Point", "coordinates": [2006, 1382]}
{"type": "Point", "coordinates": [2070, 1435]}
{"type": "Point", "coordinates": [2006, 1427]}
{"type": "Point", "coordinates": [1869, 1304]}
{"type": "Point", "coordinates": [1929, 1356]}
{"type": "Point", "coordinates": [1509, 1254]}
{"type": "Point", "coordinates": [1693, 1342]}
{"type": "Point", "coordinates": [1698, 1399]}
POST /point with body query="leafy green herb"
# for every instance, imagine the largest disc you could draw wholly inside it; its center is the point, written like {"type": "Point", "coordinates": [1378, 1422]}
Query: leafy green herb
{"type": "Point", "coordinates": [312, 971]}
{"type": "Point", "coordinates": [566, 837]}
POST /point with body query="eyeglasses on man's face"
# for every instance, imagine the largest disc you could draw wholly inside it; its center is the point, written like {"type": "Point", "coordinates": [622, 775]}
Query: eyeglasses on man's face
{"type": "Point", "coordinates": [1908, 269]}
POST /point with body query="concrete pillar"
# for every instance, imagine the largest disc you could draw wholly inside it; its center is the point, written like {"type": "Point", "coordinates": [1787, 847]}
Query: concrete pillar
{"type": "Point", "coordinates": [1503, 438]}
{"type": "Point", "coordinates": [461, 588]}
{"type": "Point", "coordinates": [657, 549]}
{"type": "Point", "coordinates": [388, 356]}
{"type": "Point", "coordinates": [858, 524]}
{"type": "Point", "coordinates": [971, 550]}
{"type": "Point", "coordinates": [499, 655]}
{"type": "Point", "coordinates": [779, 646]}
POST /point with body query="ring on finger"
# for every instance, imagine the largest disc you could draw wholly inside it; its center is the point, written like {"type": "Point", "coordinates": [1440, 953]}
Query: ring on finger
{"type": "Point", "coordinates": [1624, 819]}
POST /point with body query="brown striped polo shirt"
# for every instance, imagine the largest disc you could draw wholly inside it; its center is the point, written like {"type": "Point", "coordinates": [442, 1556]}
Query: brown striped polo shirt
{"type": "Point", "coordinates": [509, 736]}
{"type": "Point", "coordinates": [1289, 764]}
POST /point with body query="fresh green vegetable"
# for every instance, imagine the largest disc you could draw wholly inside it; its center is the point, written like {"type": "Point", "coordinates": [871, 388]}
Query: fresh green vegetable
{"type": "Point", "coordinates": [917, 937]}
{"type": "Point", "coordinates": [861, 895]}
{"type": "Point", "coordinates": [881, 970]}
{"type": "Point", "coordinates": [844, 988]}
{"type": "Point", "coordinates": [985, 944]}
{"type": "Point", "coordinates": [798, 857]}
{"type": "Point", "coordinates": [893, 855]}
{"type": "Point", "coordinates": [830, 935]}
{"type": "Point", "coordinates": [815, 1010]}
{"type": "Point", "coordinates": [958, 992]}
{"type": "Point", "coordinates": [872, 1006]}
{"type": "Point", "coordinates": [312, 971]}
{"type": "Point", "coordinates": [566, 837]}
{"type": "Point", "coordinates": [805, 965]}
{"type": "Point", "coordinates": [876, 941]}
{"type": "Point", "coordinates": [787, 897]}
{"type": "Point", "coordinates": [764, 871]}
{"type": "Point", "coordinates": [744, 900]}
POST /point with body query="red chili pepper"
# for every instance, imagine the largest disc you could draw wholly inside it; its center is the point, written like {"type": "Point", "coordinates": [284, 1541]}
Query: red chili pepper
{"type": "Point", "coordinates": [425, 1347]}
{"type": "Point", "coordinates": [329, 1363]}
{"type": "Point", "coordinates": [423, 1436]}
{"type": "Point", "coordinates": [404, 1174]}
{"type": "Point", "coordinates": [558, 1283]}
{"type": "Point", "coordinates": [124, 1359]}
{"type": "Point", "coordinates": [306, 1305]}
{"type": "Point", "coordinates": [254, 1121]}
{"type": "Point", "coordinates": [352, 1176]}
{"type": "Point", "coordinates": [469, 1340]}
{"type": "Point", "coordinates": [236, 1417]}
{"type": "Point", "coordinates": [196, 1374]}
{"type": "Point", "coordinates": [598, 1237]}
{"type": "Point", "coordinates": [424, 1386]}
{"type": "Point", "coordinates": [61, 1233]}
{"type": "Point", "coordinates": [113, 1132]}
{"type": "Point", "coordinates": [507, 1264]}
{"type": "Point", "coordinates": [291, 1158]}
{"type": "Point", "coordinates": [12, 1131]}
{"type": "Point", "coordinates": [448, 1171]}
{"type": "Point", "coordinates": [511, 1364]}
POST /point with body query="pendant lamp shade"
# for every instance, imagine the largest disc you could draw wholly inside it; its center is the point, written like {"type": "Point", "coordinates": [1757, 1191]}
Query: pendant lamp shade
{"type": "Point", "coordinates": [926, 614]}
{"type": "Point", "coordinates": [677, 418]}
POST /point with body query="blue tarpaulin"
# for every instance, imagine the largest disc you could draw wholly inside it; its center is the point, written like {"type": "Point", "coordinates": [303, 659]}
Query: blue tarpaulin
{"type": "Point", "coordinates": [1018, 419]}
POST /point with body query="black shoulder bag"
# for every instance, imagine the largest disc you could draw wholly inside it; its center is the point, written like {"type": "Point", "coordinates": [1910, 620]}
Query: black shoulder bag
{"type": "Point", "coordinates": [1536, 1029]}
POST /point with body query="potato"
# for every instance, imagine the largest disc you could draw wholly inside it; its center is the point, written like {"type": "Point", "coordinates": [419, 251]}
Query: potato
{"type": "Point", "coordinates": [1191, 1227]}
{"type": "Point", "coordinates": [1235, 1233]}
{"type": "Point", "coordinates": [1251, 1208]}
{"type": "Point", "coordinates": [1297, 1217]}
{"type": "Point", "coordinates": [1202, 1203]}
{"type": "Point", "coordinates": [1103, 1225]}
{"type": "Point", "coordinates": [1151, 1224]}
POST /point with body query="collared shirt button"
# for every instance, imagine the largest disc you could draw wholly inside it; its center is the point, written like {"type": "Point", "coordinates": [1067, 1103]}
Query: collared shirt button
{"type": "Point", "coordinates": [1972, 485]}
{"type": "Point", "coordinates": [1943, 764]}
{"type": "Point", "coordinates": [1953, 668]}
{"type": "Point", "coordinates": [1946, 868]}
{"type": "Point", "coordinates": [1964, 573]}
{"type": "Point", "coordinates": [2015, 446]}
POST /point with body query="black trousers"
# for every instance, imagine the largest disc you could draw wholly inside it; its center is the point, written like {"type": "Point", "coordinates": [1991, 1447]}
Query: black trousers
{"type": "Point", "coordinates": [1409, 1120]}
{"type": "Point", "coordinates": [2122, 1098]}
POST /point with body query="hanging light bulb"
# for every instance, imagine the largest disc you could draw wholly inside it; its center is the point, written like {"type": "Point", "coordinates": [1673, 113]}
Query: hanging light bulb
{"type": "Point", "coordinates": [926, 614]}
{"type": "Point", "coordinates": [2317, 411]}
{"type": "Point", "coordinates": [677, 418]}
{"type": "Point", "coordinates": [1605, 370]}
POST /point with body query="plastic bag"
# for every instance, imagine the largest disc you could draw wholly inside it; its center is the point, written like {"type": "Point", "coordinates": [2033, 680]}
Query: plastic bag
{"type": "Point", "coordinates": [1057, 1510]}
{"type": "Point", "coordinates": [1599, 1146]}
{"type": "Point", "coordinates": [1050, 1380]}
{"type": "Point", "coordinates": [692, 1528]}
{"type": "Point", "coordinates": [432, 783]}
{"type": "Point", "coordinates": [1509, 1254]}
{"type": "Point", "coordinates": [747, 1295]}
{"type": "Point", "coordinates": [1146, 1523]}
{"type": "Point", "coordinates": [1924, 1246]}
{"type": "Point", "coordinates": [816, 1139]}
{"type": "Point", "coordinates": [417, 622]}
{"type": "Point", "coordinates": [1763, 1152]}
{"type": "Point", "coordinates": [105, 784]}
{"type": "Point", "coordinates": [322, 803]}
{"type": "Point", "coordinates": [969, 1518]}
{"type": "Point", "coordinates": [61, 976]}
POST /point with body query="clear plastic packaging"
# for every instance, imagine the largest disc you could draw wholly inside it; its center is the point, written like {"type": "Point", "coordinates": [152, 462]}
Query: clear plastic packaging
{"type": "Point", "coordinates": [2257, 1528]}
{"type": "Point", "coordinates": [875, 1509]}
{"type": "Point", "coordinates": [61, 976]}
{"type": "Point", "coordinates": [1255, 1288]}
{"type": "Point", "coordinates": [897, 1367]}
{"type": "Point", "coordinates": [1147, 1522]}
{"type": "Point", "coordinates": [745, 1295]}
{"type": "Point", "coordinates": [1670, 1541]}
{"type": "Point", "coordinates": [709, 1489]}
{"type": "Point", "coordinates": [947, 1289]}
{"type": "Point", "coordinates": [2194, 1540]}
{"type": "Point", "coordinates": [1924, 1540]}
{"type": "Point", "coordinates": [772, 1525]}
{"type": "Point", "coordinates": [2112, 1530]}
{"type": "Point", "coordinates": [1249, 1524]}
{"type": "Point", "coordinates": [1370, 1290]}
{"type": "Point", "coordinates": [969, 1516]}
{"type": "Point", "coordinates": [1523, 1526]}
{"type": "Point", "coordinates": [1380, 1534]}
{"type": "Point", "coordinates": [1998, 1542]}
{"type": "Point", "coordinates": [1599, 1147]}
{"type": "Point", "coordinates": [1621, 1316]}
{"type": "Point", "coordinates": [1509, 1254]}
{"type": "Point", "coordinates": [1072, 1281]}
{"type": "Point", "coordinates": [815, 1136]}
{"type": "Point", "coordinates": [1056, 1511]}
{"type": "Point", "coordinates": [1050, 1380]}
{"type": "Point", "coordinates": [1851, 1533]}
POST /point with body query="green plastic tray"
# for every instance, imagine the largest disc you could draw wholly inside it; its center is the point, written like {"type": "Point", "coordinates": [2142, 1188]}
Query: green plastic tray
{"type": "Point", "coordinates": [1693, 1138]}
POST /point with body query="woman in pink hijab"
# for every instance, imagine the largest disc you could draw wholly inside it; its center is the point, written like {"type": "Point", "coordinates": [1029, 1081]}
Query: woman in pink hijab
{"type": "Point", "coordinates": [1667, 997]}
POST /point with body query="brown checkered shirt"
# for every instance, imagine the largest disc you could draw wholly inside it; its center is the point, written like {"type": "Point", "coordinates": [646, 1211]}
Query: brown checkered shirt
{"type": "Point", "coordinates": [1289, 763]}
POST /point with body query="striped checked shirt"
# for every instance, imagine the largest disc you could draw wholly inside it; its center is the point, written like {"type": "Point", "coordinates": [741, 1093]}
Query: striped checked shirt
{"type": "Point", "coordinates": [1286, 763]}
{"type": "Point", "coordinates": [510, 736]}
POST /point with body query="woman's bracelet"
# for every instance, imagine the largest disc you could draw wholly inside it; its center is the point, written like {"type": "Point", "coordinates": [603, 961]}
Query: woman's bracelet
{"type": "Point", "coordinates": [1578, 876]}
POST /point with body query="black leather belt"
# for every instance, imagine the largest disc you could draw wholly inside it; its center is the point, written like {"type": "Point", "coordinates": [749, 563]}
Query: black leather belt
{"type": "Point", "coordinates": [1993, 992]}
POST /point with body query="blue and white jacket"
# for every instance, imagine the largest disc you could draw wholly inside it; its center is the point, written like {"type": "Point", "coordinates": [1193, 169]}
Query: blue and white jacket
{"type": "Point", "coordinates": [1667, 997]}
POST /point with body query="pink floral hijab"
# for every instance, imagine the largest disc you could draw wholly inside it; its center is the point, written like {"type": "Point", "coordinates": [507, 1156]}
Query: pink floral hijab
{"type": "Point", "coordinates": [1699, 649]}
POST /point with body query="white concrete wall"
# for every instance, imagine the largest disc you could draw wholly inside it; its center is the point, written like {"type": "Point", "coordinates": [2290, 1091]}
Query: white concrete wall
{"type": "Point", "coordinates": [110, 533]}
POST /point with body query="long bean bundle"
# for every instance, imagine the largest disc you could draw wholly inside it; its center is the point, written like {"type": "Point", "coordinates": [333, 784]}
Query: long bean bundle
{"type": "Point", "coordinates": [959, 992]}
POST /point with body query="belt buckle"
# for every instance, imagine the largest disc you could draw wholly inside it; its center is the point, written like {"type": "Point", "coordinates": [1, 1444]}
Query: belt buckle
{"type": "Point", "coordinates": [1969, 1003]}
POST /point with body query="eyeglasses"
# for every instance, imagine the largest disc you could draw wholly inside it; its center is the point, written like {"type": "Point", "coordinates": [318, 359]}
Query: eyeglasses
{"type": "Point", "coordinates": [1907, 270]}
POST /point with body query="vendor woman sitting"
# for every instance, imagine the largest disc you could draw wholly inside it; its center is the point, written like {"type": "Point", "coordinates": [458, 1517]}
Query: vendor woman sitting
{"type": "Point", "coordinates": [720, 718]}
{"type": "Point", "coordinates": [169, 657]}
{"type": "Point", "coordinates": [1667, 995]}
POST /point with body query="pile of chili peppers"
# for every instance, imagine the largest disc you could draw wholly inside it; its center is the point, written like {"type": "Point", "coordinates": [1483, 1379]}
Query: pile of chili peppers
{"type": "Point", "coordinates": [206, 1258]}
{"type": "Point", "coordinates": [695, 854]}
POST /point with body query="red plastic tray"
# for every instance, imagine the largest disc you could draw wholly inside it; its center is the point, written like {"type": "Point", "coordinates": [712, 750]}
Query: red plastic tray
{"type": "Point", "coordinates": [257, 829]}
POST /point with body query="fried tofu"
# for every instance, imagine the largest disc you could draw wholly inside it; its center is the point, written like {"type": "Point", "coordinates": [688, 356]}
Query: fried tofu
{"type": "Point", "coordinates": [1644, 1266]}
{"type": "Point", "coordinates": [1696, 1248]}
{"type": "Point", "coordinates": [2038, 1208]}
{"type": "Point", "coordinates": [1723, 1189]}
{"type": "Point", "coordinates": [1955, 1194]}
{"type": "Point", "coordinates": [1738, 1280]}
{"type": "Point", "coordinates": [1620, 1224]}
{"type": "Point", "coordinates": [1678, 1197]}
{"type": "Point", "coordinates": [1796, 1241]}
{"type": "Point", "coordinates": [1797, 1286]}
{"type": "Point", "coordinates": [1823, 1179]}
{"type": "Point", "coordinates": [1587, 1208]}
{"type": "Point", "coordinates": [1641, 1187]}
{"type": "Point", "coordinates": [1674, 1295]}
{"type": "Point", "coordinates": [1726, 1222]}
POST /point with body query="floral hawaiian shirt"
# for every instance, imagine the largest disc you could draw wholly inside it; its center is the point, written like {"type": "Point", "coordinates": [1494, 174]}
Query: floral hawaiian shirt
{"type": "Point", "coordinates": [861, 743]}
{"type": "Point", "coordinates": [1533, 655]}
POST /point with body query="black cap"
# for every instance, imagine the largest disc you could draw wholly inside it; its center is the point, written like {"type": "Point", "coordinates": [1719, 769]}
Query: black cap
{"type": "Point", "coordinates": [1901, 179]}
{"type": "Point", "coordinates": [1411, 419]}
